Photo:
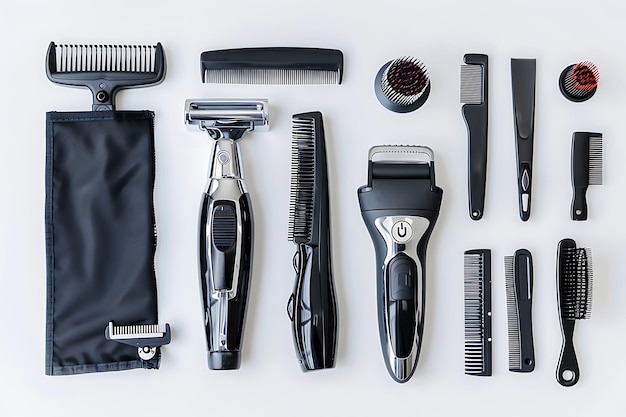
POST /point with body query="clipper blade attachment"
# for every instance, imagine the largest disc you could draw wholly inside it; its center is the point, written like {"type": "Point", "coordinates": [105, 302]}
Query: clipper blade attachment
{"type": "Point", "coordinates": [105, 69]}
{"type": "Point", "coordinates": [145, 337]}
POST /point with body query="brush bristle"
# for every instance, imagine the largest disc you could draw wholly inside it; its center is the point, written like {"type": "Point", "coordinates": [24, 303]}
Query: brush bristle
{"type": "Point", "coordinates": [472, 84]}
{"type": "Point", "coordinates": [576, 283]}
{"type": "Point", "coordinates": [477, 298]}
{"type": "Point", "coordinates": [581, 79]}
{"type": "Point", "coordinates": [100, 58]}
{"type": "Point", "coordinates": [405, 80]}
{"type": "Point", "coordinates": [302, 179]}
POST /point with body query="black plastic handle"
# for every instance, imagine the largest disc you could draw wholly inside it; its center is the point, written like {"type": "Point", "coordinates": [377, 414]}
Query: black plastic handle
{"type": "Point", "coordinates": [567, 372]}
{"type": "Point", "coordinates": [312, 308]}
{"type": "Point", "coordinates": [523, 74]}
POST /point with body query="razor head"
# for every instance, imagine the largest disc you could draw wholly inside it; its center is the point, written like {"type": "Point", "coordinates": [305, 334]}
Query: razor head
{"type": "Point", "coordinates": [474, 79]}
{"type": "Point", "coordinates": [574, 280]}
{"type": "Point", "coordinates": [145, 337]}
{"type": "Point", "coordinates": [477, 300]}
{"type": "Point", "coordinates": [227, 118]}
{"type": "Point", "coordinates": [105, 69]}
{"type": "Point", "coordinates": [272, 66]}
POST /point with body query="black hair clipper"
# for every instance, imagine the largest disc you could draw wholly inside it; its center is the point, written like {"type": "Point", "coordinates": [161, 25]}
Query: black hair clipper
{"type": "Point", "coordinates": [400, 205]}
{"type": "Point", "coordinates": [226, 225]}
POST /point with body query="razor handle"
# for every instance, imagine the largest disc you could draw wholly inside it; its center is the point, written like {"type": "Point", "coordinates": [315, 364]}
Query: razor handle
{"type": "Point", "coordinates": [312, 307]}
{"type": "Point", "coordinates": [400, 215]}
{"type": "Point", "coordinates": [225, 253]}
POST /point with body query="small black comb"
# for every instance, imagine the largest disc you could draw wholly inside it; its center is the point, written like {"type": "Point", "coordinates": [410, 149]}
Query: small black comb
{"type": "Point", "coordinates": [586, 169]}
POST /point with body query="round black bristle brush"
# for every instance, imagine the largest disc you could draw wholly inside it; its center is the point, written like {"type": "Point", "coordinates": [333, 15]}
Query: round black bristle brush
{"type": "Point", "coordinates": [578, 82]}
{"type": "Point", "coordinates": [402, 85]}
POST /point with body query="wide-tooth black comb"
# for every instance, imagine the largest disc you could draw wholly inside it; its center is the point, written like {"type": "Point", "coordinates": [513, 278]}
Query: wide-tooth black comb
{"type": "Point", "coordinates": [272, 66]}
{"type": "Point", "coordinates": [586, 169]}
{"type": "Point", "coordinates": [477, 297]}
{"type": "Point", "coordinates": [474, 78]}
{"type": "Point", "coordinates": [105, 69]}
{"type": "Point", "coordinates": [574, 290]}
{"type": "Point", "coordinates": [518, 271]}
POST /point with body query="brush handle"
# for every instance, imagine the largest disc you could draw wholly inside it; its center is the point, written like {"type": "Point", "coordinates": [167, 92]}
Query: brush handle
{"type": "Point", "coordinates": [312, 307]}
{"type": "Point", "coordinates": [567, 372]}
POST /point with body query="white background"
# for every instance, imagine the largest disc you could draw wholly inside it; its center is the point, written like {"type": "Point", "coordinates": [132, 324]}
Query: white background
{"type": "Point", "coordinates": [270, 381]}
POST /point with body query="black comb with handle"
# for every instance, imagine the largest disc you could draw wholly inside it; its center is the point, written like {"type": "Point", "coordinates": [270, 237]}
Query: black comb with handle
{"type": "Point", "coordinates": [586, 169]}
{"type": "Point", "coordinates": [312, 307]}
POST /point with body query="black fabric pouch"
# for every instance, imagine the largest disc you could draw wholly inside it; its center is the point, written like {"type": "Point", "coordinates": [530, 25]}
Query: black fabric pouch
{"type": "Point", "coordinates": [100, 238]}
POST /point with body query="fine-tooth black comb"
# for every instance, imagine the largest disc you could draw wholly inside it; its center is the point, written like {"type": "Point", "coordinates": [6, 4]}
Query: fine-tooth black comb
{"type": "Point", "coordinates": [586, 169]}
{"type": "Point", "coordinates": [574, 277]}
{"type": "Point", "coordinates": [518, 271]}
{"type": "Point", "coordinates": [312, 306]}
{"type": "Point", "coordinates": [105, 69]}
{"type": "Point", "coordinates": [579, 82]}
{"type": "Point", "coordinates": [477, 286]}
{"type": "Point", "coordinates": [273, 66]}
{"type": "Point", "coordinates": [402, 85]}
{"type": "Point", "coordinates": [474, 79]}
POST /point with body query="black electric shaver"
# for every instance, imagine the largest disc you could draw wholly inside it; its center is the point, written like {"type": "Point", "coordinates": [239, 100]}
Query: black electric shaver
{"type": "Point", "coordinates": [400, 205]}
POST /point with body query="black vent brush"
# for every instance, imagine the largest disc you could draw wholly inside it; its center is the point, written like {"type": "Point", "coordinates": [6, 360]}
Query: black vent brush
{"type": "Point", "coordinates": [402, 85]}
{"type": "Point", "coordinates": [312, 306]}
{"type": "Point", "coordinates": [574, 277]}
{"type": "Point", "coordinates": [579, 82]}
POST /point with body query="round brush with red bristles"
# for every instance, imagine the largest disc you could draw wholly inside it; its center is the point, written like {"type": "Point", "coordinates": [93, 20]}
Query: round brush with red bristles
{"type": "Point", "coordinates": [578, 82]}
{"type": "Point", "coordinates": [402, 85]}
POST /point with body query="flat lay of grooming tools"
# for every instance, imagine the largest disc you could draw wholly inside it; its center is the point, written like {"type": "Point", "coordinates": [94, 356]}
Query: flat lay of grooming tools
{"type": "Point", "coordinates": [477, 300]}
{"type": "Point", "coordinates": [272, 65]}
{"type": "Point", "coordinates": [574, 277]}
{"type": "Point", "coordinates": [523, 73]}
{"type": "Point", "coordinates": [400, 204]}
{"type": "Point", "coordinates": [105, 69]}
{"type": "Point", "coordinates": [402, 85]}
{"type": "Point", "coordinates": [100, 172]}
{"type": "Point", "coordinates": [226, 226]}
{"type": "Point", "coordinates": [475, 110]}
{"type": "Point", "coordinates": [312, 307]}
{"type": "Point", "coordinates": [586, 169]}
{"type": "Point", "coordinates": [579, 82]}
{"type": "Point", "coordinates": [518, 270]}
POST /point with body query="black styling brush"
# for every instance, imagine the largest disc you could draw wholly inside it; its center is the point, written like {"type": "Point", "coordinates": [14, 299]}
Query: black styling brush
{"type": "Point", "coordinates": [586, 169]}
{"type": "Point", "coordinates": [312, 306]}
{"type": "Point", "coordinates": [402, 85]}
{"type": "Point", "coordinates": [574, 277]}
{"type": "Point", "coordinates": [578, 82]}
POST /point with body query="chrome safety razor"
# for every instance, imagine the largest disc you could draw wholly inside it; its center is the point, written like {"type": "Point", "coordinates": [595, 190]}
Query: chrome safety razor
{"type": "Point", "coordinates": [226, 224]}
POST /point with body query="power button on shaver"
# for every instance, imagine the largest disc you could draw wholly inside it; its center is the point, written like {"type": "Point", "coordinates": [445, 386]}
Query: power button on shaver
{"type": "Point", "coordinates": [402, 231]}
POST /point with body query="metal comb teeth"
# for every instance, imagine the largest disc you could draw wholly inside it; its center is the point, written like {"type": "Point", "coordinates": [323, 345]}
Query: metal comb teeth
{"type": "Point", "coordinates": [302, 179]}
{"type": "Point", "coordinates": [595, 159]}
{"type": "Point", "coordinates": [136, 331]}
{"type": "Point", "coordinates": [472, 84]}
{"type": "Point", "coordinates": [86, 58]}
{"type": "Point", "coordinates": [477, 299]}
